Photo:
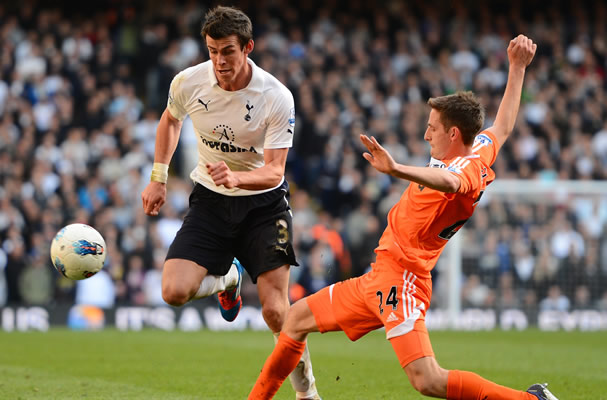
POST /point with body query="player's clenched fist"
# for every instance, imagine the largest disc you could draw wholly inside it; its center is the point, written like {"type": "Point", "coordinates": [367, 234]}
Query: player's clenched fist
{"type": "Point", "coordinates": [153, 197]}
{"type": "Point", "coordinates": [521, 51]}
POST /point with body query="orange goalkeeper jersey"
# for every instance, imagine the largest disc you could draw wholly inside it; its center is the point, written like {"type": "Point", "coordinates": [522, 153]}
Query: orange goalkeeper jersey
{"type": "Point", "coordinates": [423, 220]}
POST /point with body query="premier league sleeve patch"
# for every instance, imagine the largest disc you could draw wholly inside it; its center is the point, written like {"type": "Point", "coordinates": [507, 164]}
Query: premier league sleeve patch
{"type": "Point", "coordinates": [481, 140]}
{"type": "Point", "coordinates": [292, 117]}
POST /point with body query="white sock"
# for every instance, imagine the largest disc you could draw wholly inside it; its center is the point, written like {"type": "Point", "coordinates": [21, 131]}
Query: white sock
{"type": "Point", "coordinates": [212, 284]}
{"type": "Point", "coordinates": [302, 378]}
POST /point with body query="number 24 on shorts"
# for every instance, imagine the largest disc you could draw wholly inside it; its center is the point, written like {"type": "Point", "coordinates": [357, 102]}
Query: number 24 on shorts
{"type": "Point", "coordinates": [391, 299]}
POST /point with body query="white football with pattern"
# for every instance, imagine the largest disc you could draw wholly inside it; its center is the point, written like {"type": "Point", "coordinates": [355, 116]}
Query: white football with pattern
{"type": "Point", "coordinates": [78, 251]}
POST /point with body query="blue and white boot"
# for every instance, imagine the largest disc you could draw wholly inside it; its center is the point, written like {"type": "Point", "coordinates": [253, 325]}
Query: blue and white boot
{"type": "Point", "coordinates": [230, 301]}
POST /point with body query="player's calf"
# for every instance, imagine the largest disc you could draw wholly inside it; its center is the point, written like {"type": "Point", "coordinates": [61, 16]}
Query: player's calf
{"type": "Point", "coordinates": [427, 377]}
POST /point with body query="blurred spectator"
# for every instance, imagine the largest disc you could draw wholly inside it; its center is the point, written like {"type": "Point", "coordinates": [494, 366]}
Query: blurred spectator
{"type": "Point", "coordinates": [581, 299]}
{"type": "Point", "coordinates": [97, 290]}
{"type": "Point", "coordinates": [14, 247]}
{"type": "Point", "coordinates": [508, 297]}
{"type": "Point", "coordinates": [601, 304]}
{"type": "Point", "coordinates": [566, 241]}
{"type": "Point", "coordinates": [168, 225]}
{"type": "Point", "coordinates": [324, 231]}
{"type": "Point", "coordinates": [476, 294]}
{"type": "Point", "coordinates": [36, 281]}
{"type": "Point", "coordinates": [319, 269]}
{"type": "Point", "coordinates": [362, 231]}
{"type": "Point", "coordinates": [134, 280]}
{"type": "Point", "coordinates": [3, 286]}
{"type": "Point", "coordinates": [555, 301]}
{"type": "Point", "coordinates": [152, 281]}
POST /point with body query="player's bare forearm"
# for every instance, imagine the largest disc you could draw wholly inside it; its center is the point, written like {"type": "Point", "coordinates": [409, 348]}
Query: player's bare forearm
{"type": "Point", "coordinates": [509, 106]}
{"type": "Point", "coordinates": [265, 177]}
{"type": "Point", "coordinates": [520, 53]}
{"type": "Point", "coordinates": [167, 137]}
{"type": "Point", "coordinates": [434, 178]}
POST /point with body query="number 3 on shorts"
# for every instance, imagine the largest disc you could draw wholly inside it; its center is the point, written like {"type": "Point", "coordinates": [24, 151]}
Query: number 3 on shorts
{"type": "Point", "coordinates": [391, 300]}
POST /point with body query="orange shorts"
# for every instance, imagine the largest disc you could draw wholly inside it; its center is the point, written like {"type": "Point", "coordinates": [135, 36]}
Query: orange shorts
{"type": "Point", "coordinates": [387, 296]}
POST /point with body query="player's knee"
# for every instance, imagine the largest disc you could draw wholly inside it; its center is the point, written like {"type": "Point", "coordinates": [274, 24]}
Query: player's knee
{"type": "Point", "coordinates": [294, 326]}
{"type": "Point", "coordinates": [174, 295]}
{"type": "Point", "coordinates": [274, 314]}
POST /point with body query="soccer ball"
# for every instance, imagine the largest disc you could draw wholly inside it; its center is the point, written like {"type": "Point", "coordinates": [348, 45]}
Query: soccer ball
{"type": "Point", "coordinates": [78, 251]}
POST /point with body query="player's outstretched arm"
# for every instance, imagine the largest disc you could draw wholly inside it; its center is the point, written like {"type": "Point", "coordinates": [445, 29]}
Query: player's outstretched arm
{"type": "Point", "coordinates": [434, 178]}
{"type": "Point", "coordinates": [167, 137]}
{"type": "Point", "coordinates": [520, 53]}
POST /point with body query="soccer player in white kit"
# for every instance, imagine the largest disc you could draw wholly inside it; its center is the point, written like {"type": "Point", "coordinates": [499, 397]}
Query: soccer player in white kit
{"type": "Point", "coordinates": [239, 208]}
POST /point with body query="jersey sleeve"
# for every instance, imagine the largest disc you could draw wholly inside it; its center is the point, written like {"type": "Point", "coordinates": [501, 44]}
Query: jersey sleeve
{"type": "Point", "coordinates": [485, 145]}
{"type": "Point", "coordinates": [175, 103]}
{"type": "Point", "coordinates": [466, 170]}
{"type": "Point", "coordinates": [281, 122]}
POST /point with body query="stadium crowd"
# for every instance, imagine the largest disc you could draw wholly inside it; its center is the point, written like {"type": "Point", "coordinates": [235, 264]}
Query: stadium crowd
{"type": "Point", "coordinates": [81, 92]}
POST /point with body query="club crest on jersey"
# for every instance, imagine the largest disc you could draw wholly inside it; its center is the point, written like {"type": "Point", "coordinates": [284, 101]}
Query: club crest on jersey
{"type": "Point", "coordinates": [458, 165]}
{"type": "Point", "coordinates": [249, 108]}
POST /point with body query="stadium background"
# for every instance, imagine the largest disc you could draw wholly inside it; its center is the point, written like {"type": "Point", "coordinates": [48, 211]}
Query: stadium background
{"type": "Point", "coordinates": [82, 88]}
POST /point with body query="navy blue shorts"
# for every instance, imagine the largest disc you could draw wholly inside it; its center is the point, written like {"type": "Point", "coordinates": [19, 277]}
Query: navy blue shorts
{"type": "Point", "coordinates": [256, 229]}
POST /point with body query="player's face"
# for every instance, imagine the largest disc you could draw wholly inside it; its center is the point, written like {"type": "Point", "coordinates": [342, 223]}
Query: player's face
{"type": "Point", "coordinates": [230, 61]}
{"type": "Point", "coordinates": [437, 136]}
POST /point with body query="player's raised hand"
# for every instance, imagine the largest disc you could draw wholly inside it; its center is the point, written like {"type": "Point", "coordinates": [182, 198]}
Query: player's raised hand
{"type": "Point", "coordinates": [379, 158]}
{"type": "Point", "coordinates": [153, 197]}
{"type": "Point", "coordinates": [222, 174]}
{"type": "Point", "coordinates": [521, 51]}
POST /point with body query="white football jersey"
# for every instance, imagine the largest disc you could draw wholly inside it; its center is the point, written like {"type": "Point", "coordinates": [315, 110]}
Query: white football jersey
{"type": "Point", "coordinates": [235, 126]}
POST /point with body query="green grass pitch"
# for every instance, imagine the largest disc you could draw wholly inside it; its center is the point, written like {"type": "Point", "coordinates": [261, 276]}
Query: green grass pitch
{"type": "Point", "coordinates": [153, 364]}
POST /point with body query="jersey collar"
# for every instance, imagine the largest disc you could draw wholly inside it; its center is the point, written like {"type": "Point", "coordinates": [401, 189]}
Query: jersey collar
{"type": "Point", "coordinates": [255, 84]}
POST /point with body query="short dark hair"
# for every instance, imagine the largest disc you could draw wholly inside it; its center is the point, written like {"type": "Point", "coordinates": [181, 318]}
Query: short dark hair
{"type": "Point", "coordinates": [221, 22]}
{"type": "Point", "coordinates": [463, 110]}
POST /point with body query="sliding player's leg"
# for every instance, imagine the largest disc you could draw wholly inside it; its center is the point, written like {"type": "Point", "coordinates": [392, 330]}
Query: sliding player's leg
{"type": "Point", "coordinates": [411, 343]}
{"type": "Point", "coordinates": [428, 378]}
{"type": "Point", "coordinates": [463, 385]}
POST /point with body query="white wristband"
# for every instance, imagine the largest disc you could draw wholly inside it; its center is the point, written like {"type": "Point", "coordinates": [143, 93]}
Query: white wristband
{"type": "Point", "coordinates": [160, 173]}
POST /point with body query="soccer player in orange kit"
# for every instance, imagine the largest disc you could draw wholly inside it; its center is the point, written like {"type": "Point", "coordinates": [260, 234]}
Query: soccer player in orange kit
{"type": "Point", "coordinates": [396, 293]}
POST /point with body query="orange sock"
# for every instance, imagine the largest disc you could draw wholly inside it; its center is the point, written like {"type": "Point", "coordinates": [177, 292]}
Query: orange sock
{"type": "Point", "coordinates": [463, 385]}
{"type": "Point", "coordinates": [278, 366]}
